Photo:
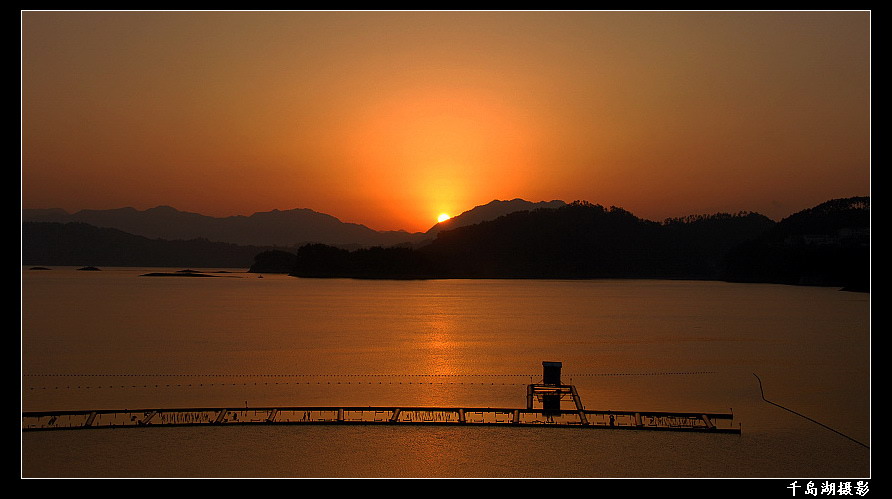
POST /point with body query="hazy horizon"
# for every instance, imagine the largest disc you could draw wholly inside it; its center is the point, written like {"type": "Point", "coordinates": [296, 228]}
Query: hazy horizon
{"type": "Point", "coordinates": [388, 119]}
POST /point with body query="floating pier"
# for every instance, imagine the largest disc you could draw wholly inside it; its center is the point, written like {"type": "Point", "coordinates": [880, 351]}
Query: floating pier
{"type": "Point", "coordinates": [550, 394]}
{"type": "Point", "coordinates": [628, 420]}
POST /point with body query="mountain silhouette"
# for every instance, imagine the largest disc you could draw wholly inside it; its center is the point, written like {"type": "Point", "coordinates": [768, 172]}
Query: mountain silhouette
{"type": "Point", "coordinates": [827, 245]}
{"type": "Point", "coordinates": [286, 228]}
{"type": "Point", "coordinates": [584, 240]}
{"type": "Point", "coordinates": [490, 211]}
{"type": "Point", "coordinates": [78, 244]}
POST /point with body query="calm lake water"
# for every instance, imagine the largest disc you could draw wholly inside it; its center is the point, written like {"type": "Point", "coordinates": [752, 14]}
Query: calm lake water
{"type": "Point", "coordinates": [114, 339]}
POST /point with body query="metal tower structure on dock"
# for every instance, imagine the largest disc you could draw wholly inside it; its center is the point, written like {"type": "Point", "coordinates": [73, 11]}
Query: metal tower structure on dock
{"type": "Point", "coordinates": [551, 391]}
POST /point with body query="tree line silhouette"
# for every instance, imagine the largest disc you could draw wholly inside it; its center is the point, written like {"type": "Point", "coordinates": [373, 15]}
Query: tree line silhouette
{"type": "Point", "coordinates": [828, 245]}
{"type": "Point", "coordinates": [825, 245]}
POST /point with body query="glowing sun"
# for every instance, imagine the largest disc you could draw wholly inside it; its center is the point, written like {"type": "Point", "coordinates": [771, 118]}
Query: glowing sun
{"type": "Point", "coordinates": [443, 217]}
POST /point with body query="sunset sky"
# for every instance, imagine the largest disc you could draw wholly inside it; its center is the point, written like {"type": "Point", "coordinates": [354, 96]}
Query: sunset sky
{"type": "Point", "coordinates": [389, 119]}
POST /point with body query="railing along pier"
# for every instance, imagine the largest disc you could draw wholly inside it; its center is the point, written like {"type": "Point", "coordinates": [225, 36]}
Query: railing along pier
{"type": "Point", "coordinates": [632, 420]}
{"type": "Point", "coordinates": [551, 392]}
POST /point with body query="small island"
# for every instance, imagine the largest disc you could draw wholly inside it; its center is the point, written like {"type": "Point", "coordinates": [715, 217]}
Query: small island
{"type": "Point", "coordinates": [179, 273]}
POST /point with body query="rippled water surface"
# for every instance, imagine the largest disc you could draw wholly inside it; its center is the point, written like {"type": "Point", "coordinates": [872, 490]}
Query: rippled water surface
{"type": "Point", "coordinates": [114, 339]}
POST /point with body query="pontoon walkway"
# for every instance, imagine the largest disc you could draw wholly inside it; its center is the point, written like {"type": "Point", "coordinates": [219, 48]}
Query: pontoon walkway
{"type": "Point", "coordinates": [142, 418]}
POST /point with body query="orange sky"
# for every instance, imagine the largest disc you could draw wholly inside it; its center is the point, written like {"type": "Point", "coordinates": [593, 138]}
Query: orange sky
{"type": "Point", "coordinates": [389, 118]}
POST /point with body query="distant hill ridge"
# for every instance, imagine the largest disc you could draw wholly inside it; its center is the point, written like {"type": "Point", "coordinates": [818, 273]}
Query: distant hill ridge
{"type": "Point", "coordinates": [828, 245]}
{"type": "Point", "coordinates": [80, 244]}
{"type": "Point", "coordinates": [286, 228]}
{"type": "Point", "coordinates": [273, 228]}
{"type": "Point", "coordinates": [491, 211]}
